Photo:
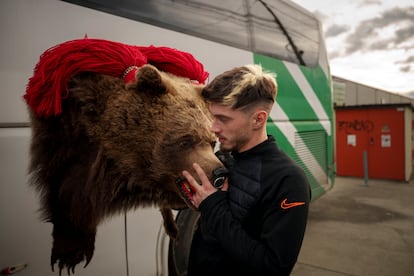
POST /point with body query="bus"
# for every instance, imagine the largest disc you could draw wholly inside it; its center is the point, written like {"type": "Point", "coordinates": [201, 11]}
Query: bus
{"type": "Point", "coordinates": [278, 34]}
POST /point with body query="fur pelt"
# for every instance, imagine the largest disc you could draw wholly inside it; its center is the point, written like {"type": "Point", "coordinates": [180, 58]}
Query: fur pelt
{"type": "Point", "coordinates": [116, 147]}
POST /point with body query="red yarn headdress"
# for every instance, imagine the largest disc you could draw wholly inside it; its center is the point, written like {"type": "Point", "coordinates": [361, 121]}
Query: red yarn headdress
{"type": "Point", "coordinates": [58, 64]}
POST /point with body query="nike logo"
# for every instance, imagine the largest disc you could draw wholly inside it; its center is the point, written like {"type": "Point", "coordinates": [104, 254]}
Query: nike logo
{"type": "Point", "coordinates": [285, 205]}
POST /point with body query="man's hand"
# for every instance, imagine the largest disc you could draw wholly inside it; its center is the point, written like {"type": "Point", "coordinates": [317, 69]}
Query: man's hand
{"type": "Point", "coordinates": [201, 192]}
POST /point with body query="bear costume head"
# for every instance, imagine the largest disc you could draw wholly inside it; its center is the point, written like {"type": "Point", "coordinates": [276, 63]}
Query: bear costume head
{"type": "Point", "coordinates": [113, 127]}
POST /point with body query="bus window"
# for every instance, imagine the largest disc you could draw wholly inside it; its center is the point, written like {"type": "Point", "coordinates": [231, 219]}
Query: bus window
{"type": "Point", "coordinates": [276, 29]}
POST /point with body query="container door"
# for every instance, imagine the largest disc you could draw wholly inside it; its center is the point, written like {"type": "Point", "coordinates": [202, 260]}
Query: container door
{"type": "Point", "coordinates": [379, 133]}
{"type": "Point", "coordinates": [386, 159]}
{"type": "Point", "coordinates": [352, 139]}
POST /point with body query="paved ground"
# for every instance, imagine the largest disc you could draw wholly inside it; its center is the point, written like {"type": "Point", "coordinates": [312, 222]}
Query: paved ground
{"type": "Point", "coordinates": [360, 230]}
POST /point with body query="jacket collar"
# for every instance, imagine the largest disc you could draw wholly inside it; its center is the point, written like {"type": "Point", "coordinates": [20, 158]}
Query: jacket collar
{"type": "Point", "coordinates": [259, 149]}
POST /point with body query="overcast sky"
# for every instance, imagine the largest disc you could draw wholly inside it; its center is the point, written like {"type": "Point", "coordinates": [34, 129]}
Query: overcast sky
{"type": "Point", "coordinates": [369, 41]}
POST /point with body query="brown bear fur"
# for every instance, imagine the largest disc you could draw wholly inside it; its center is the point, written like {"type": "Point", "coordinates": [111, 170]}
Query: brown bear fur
{"type": "Point", "coordinates": [116, 147]}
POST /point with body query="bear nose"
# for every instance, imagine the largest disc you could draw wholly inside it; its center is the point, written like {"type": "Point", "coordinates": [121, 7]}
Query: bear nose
{"type": "Point", "coordinates": [219, 177]}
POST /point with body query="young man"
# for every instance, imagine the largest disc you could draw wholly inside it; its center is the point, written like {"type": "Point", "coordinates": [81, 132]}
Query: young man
{"type": "Point", "coordinates": [255, 224]}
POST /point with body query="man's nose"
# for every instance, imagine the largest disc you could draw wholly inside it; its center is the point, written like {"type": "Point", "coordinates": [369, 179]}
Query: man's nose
{"type": "Point", "coordinates": [214, 127]}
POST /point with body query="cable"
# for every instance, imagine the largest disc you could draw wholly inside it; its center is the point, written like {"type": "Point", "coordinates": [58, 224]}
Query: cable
{"type": "Point", "coordinates": [126, 243]}
{"type": "Point", "coordinates": [276, 19]}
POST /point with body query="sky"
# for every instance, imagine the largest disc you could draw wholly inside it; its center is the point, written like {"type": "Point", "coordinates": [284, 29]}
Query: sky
{"type": "Point", "coordinates": [369, 41]}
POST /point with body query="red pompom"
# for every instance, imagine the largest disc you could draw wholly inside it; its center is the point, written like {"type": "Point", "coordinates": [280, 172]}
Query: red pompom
{"type": "Point", "coordinates": [57, 65]}
{"type": "Point", "coordinates": [179, 63]}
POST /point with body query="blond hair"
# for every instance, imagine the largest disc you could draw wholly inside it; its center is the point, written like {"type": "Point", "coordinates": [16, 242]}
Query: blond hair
{"type": "Point", "coordinates": [242, 86]}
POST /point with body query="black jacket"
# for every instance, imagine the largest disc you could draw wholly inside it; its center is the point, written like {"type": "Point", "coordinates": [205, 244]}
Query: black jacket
{"type": "Point", "coordinates": [257, 227]}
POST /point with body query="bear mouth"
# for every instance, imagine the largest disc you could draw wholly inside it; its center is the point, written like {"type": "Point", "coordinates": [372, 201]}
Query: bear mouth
{"type": "Point", "coordinates": [219, 177]}
{"type": "Point", "coordinates": [185, 191]}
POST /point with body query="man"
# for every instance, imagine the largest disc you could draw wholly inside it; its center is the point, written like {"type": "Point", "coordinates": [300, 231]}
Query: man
{"type": "Point", "coordinates": [255, 224]}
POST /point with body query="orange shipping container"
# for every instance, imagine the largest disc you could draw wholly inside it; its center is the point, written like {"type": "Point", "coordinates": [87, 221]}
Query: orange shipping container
{"type": "Point", "coordinates": [384, 132]}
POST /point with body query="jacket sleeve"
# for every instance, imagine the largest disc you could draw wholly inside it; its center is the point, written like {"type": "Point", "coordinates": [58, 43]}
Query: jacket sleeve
{"type": "Point", "coordinates": [283, 226]}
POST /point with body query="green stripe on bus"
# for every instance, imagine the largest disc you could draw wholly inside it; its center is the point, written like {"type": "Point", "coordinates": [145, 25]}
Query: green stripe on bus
{"type": "Point", "coordinates": [321, 85]}
{"type": "Point", "coordinates": [289, 97]}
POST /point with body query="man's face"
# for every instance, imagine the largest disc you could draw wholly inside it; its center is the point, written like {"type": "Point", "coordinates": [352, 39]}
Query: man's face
{"type": "Point", "coordinates": [233, 127]}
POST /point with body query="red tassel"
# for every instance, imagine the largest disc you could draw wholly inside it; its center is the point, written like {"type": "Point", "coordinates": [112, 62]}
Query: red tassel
{"type": "Point", "coordinates": [48, 85]}
{"type": "Point", "coordinates": [181, 64]}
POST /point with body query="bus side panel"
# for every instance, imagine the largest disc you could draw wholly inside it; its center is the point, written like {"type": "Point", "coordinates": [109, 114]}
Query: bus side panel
{"type": "Point", "coordinates": [28, 29]}
{"type": "Point", "coordinates": [24, 238]}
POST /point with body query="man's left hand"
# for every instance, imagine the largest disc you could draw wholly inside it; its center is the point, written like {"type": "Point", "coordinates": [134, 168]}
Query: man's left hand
{"type": "Point", "coordinates": [201, 192]}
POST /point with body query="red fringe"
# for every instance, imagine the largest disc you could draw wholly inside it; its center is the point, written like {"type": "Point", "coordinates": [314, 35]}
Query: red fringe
{"type": "Point", "coordinates": [58, 64]}
{"type": "Point", "coordinates": [177, 63]}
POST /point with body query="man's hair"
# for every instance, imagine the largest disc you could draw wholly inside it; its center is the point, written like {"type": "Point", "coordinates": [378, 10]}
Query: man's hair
{"type": "Point", "coordinates": [242, 87]}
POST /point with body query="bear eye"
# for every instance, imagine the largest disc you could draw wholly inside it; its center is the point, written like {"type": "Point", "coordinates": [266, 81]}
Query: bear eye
{"type": "Point", "coordinates": [186, 142]}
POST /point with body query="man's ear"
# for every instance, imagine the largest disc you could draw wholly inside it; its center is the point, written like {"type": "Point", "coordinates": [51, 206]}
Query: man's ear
{"type": "Point", "coordinates": [259, 118]}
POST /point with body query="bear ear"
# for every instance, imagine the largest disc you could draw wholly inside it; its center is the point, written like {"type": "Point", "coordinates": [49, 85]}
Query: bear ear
{"type": "Point", "coordinates": [149, 80]}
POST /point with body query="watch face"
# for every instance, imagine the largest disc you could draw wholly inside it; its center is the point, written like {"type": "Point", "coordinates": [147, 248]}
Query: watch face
{"type": "Point", "coordinates": [219, 177]}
